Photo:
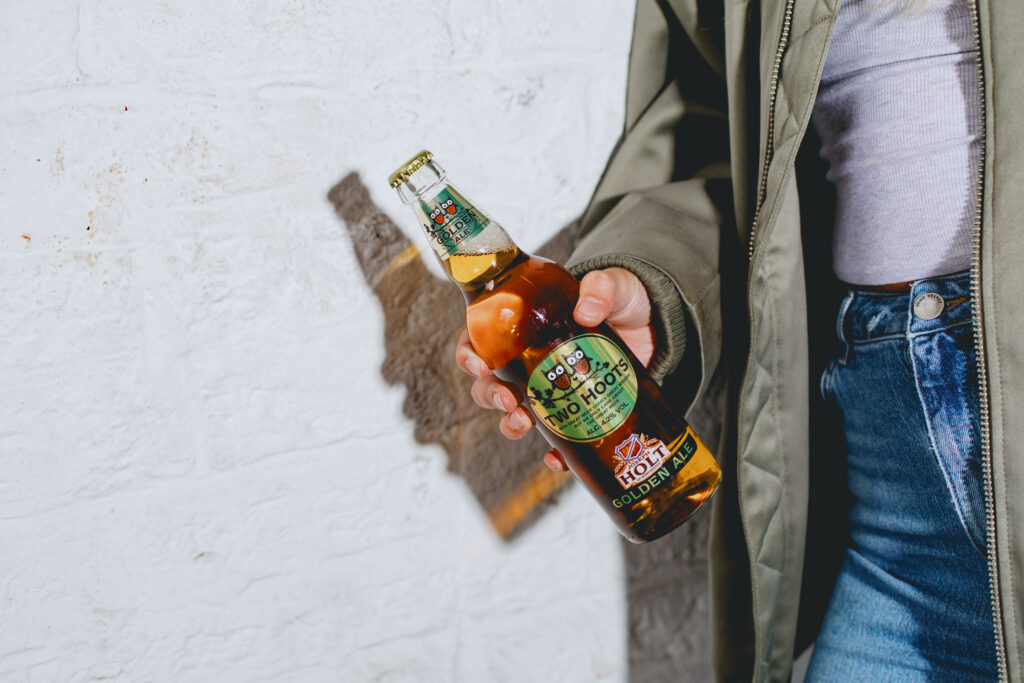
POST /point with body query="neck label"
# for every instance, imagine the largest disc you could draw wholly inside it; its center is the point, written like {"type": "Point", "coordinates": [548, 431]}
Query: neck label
{"type": "Point", "coordinates": [450, 220]}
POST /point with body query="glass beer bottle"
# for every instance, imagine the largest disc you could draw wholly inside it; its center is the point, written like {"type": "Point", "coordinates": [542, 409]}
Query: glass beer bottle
{"type": "Point", "coordinates": [590, 397]}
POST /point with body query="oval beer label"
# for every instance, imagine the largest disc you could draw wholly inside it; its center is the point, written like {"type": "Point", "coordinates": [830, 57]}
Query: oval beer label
{"type": "Point", "coordinates": [584, 389]}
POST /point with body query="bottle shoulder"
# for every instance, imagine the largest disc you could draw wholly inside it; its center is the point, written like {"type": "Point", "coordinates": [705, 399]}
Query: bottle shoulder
{"type": "Point", "coordinates": [528, 309]}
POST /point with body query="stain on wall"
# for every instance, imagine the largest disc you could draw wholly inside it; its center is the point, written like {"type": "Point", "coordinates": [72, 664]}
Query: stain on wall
{"type": "Point", "coordinates": [667, 583]}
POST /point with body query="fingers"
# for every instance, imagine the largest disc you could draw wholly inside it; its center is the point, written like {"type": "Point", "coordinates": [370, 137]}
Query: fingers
{"type": "Point", "coordinates": [553, 459]}
{"type": "Point", "coordinates": [613, 295]}
{"type": "Point", "coordinates": [516, 424]}
{"type": "Point", "coordinates": [466, 358]}
{"type": "Point", "coordinates": [490, 392]}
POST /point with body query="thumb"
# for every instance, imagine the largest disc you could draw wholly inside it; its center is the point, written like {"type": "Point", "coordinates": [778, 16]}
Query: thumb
{"type": "Point", "coordinates": [614, 295]}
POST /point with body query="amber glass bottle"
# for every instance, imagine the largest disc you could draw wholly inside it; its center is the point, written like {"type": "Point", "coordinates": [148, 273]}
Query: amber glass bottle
{"type": "Point", "coordinates": [590, 397]}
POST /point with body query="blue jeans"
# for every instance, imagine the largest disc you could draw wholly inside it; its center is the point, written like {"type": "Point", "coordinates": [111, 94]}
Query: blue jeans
{"type": "Point", "coordinates": [912, 600]}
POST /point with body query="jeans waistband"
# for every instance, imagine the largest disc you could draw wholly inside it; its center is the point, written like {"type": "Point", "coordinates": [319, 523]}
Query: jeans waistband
{"type": "Point", "coordinates": [932, 304]}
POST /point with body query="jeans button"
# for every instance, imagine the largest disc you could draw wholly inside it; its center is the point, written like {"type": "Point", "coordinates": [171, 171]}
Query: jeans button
{"type": "Point", "coordinates": [928, 306]}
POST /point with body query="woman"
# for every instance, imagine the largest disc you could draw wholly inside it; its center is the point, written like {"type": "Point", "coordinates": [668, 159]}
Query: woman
{"type": "Point", "coordinates": [708, 220]}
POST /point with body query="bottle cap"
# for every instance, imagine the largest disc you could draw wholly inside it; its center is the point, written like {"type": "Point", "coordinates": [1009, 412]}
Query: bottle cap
{"type": "Point", "coordinates": [409, 167]}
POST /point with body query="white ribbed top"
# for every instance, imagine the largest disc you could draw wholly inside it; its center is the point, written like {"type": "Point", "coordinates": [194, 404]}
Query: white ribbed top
{"type": "Point", "coordinates": [898, 114]}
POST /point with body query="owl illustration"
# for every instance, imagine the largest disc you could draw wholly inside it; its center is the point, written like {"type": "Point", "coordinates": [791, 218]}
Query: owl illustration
{"type": "Point", "coordinates": [437, 215]}
{"type": "Point", "coordinates": [578, 361]}
{"type": "Point", "coordinates": [449, 206]}
{"type": "Point", "coordinates": [559, 377]}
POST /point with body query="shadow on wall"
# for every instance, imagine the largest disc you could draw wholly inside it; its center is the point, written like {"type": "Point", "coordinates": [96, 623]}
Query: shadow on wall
{"type": "Point", "coordinates": [666, 581]}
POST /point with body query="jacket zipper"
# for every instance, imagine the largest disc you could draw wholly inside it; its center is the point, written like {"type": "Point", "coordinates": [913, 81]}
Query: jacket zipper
{"type": "Point", "coordinates": [762, 189]}
{"type": "Point", "coordinates": [979, 350]}
{"type": "Point", "coordinates": [769, 148]}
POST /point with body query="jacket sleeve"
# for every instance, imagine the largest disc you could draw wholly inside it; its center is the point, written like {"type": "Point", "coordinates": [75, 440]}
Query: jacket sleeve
{"type": "Point", "coordinates": [654, 211]}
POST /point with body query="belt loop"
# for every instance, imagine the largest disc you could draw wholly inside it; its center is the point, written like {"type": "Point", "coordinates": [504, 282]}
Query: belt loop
{"type": "Point", "coordinates": [915, 291]}
{"type": "Point", "coordinates": [841, 326]}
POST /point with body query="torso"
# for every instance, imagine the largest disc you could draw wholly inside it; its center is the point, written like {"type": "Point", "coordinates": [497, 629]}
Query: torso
{"type": "Point", "coordinates": [898, 114]}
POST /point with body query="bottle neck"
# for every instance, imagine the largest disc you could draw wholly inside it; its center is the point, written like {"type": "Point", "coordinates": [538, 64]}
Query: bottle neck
{"type": "Point", "coordinates": [472, 248]}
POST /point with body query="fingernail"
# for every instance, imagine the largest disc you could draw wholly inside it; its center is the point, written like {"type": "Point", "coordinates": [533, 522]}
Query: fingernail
{"type": "Point", "coordinates": [589, 308]}
{"type": "Point", "coordinates": [517, 421]}
{"type": "Point", "coordinates": [475, 366]}
{"type": "Point", "coordinates": [496, 397]}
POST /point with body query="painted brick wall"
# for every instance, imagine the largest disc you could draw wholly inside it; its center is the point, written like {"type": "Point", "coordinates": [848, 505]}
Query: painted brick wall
{"type": "Point", "coordinates": [206, 475]}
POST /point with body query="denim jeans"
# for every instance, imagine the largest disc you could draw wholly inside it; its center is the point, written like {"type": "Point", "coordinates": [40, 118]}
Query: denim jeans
{"type": "Point", "coordinates": [912, 599]}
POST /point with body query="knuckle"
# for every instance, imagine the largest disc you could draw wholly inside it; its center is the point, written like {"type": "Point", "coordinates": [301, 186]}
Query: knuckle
{"type": "Point", "coordinates": [598, 282]}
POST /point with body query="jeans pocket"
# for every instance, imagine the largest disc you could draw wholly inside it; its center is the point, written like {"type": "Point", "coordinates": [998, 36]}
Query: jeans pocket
{"type": "Point", "coordinates": [947, 381]}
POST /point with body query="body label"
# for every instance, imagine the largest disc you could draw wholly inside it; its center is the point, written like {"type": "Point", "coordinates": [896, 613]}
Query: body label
{"type": "Point", "coordinates": [637, 458]}
{"type": "Point", "coordinates": [652, 465]}
{"type": "Point", "coordinates": [584, 389]}
{"type": "Point", "coordinates": [450, 220]}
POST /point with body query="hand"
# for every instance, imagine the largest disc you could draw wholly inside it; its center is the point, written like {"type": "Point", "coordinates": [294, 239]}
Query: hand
{"type": "Point", "coordinates": [613, 295]}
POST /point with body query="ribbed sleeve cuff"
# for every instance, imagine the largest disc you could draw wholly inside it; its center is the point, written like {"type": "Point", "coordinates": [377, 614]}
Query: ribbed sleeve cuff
{"type": "Point", "coordinates": [668, 312]}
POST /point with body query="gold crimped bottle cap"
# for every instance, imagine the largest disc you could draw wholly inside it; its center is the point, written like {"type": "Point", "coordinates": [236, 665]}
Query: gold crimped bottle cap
{"type": "Point", "coordinates": [410, 167]}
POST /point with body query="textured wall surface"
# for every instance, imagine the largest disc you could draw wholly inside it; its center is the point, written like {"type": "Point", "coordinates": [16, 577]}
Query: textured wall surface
{"type": "Point", "coordinates": [206, 475]}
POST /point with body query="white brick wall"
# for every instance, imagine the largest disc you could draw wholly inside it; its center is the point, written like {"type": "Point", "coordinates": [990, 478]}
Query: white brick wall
{"type": "Point", "coordinates": [204, 477]}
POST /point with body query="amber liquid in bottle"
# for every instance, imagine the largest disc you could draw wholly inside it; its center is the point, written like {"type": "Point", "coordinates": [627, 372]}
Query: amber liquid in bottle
{"type": "Point", "coordinates": [589, 395]}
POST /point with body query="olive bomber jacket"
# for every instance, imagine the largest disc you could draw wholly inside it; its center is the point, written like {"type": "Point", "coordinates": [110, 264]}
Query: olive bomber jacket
{"type": "Point", "coordinates": [711, 197]}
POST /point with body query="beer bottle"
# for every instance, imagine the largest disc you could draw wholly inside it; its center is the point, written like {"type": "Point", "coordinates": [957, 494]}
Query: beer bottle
{"type": "Point", "coordinates": [590, 397]}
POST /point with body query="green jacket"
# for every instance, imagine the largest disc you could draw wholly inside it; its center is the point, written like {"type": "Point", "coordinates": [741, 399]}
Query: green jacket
{"type": "Point", "coordinates": [713, 196]}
